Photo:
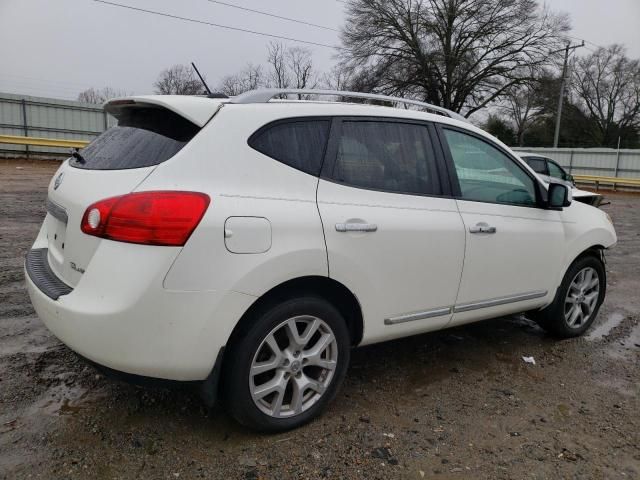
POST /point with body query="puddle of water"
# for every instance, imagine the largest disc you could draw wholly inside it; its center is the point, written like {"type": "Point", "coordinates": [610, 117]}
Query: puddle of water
{"type": "Point", "coordinates": [62, 400]}
{"type": "Point", "coordinates": [627, 345]}
{"type": "Point", "coordinates": [605, 328]}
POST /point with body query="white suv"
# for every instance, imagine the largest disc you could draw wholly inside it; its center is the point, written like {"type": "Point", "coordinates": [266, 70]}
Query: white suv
{"type": "Point", "coordinates": [248, 244]}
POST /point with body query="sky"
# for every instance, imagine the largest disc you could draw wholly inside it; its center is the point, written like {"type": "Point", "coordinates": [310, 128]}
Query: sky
{"type": "Point", "coordinates": [57, 48]}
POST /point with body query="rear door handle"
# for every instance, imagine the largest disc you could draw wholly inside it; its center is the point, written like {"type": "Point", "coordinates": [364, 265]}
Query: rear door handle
{"type": "Point", "coordinates": [482, 228]}
{"type": "Point", "coordinates": [356, 227]}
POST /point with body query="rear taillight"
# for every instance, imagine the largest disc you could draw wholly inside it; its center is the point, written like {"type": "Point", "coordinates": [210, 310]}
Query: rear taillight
{"type": "Point", "coordinates": [150, 218]}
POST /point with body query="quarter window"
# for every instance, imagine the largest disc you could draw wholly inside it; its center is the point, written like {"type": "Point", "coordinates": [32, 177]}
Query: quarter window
{"type": "Point", "coordinates": [297, 143]}
{"type": "Point", "coordinates": [486, 174]}
{"type": "Point", "coordinates": [387, 156]}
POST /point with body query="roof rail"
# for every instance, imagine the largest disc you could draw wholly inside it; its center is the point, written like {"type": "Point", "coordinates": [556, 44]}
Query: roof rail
{"type": "Point", "coordinates": [263, 95]}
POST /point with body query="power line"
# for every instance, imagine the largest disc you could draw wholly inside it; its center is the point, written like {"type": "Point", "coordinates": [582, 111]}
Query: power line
{"type": "Point", "coordinates": [585, 41]}
{"type": "Point", "coordinates": [274, 15]}
{"type": "Point", "coordinates": [218, 25]}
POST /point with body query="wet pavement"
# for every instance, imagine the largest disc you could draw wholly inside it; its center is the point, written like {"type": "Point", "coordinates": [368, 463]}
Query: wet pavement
{"type": "Point", "coordinates": [455, 404]}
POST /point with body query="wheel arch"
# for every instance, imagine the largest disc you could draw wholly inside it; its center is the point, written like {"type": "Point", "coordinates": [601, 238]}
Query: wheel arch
{"type": "Point", "coordinates": [331, 290]}
{"type": "Point", "coordinates": [594, 250]}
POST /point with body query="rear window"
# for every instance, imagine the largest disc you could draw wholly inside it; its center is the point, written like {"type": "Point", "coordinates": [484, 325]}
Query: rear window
{"type": "Point", "coordinates": [144, 136]}
{"type": "Point", "coordinates": [297, 143]}
{"type": "Point", "coordinates": [537, 164]}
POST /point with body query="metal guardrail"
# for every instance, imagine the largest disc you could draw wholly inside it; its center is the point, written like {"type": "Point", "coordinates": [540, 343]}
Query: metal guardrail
{"type": "Point", "coordinates": [42, 142]}
{"type": "Point", "coordinates": [613, 181]}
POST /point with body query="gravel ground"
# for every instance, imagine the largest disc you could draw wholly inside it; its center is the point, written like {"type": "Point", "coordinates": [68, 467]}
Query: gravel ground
{"type": "Point", "coordinates": [454, 404]}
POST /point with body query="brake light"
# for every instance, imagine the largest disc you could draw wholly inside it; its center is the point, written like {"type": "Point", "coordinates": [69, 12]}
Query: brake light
{"type": "Point", "coordinates": [150, 218]}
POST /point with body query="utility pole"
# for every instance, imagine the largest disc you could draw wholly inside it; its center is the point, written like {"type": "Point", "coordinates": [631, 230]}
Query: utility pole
{"type": "Point", "coordinates": [569, 47]}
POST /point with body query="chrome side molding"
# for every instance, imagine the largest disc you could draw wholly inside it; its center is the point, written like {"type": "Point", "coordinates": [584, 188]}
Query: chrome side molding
{"type": "Point", "coordinates": [494, 302]}
{"type": "Point", "coordinates": [465, 307]}
{"type": "Point", "coordinates": [410, 317]}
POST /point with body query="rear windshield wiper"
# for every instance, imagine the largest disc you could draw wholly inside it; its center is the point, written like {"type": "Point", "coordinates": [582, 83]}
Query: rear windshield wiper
{"type": "Point", "coordinates": [76, 154]}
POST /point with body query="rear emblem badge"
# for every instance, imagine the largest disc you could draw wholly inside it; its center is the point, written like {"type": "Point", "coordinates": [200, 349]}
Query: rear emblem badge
{"type": "Point", "coordinates": [76, 268]}
{"type": "Point", "coordinates": [58, 181]}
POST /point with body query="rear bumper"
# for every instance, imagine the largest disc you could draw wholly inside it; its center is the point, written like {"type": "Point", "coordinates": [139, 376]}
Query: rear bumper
{"type": "Point", "coordinates": [120, 316]}
{"type": "Point", "coordinates": [40, 273]}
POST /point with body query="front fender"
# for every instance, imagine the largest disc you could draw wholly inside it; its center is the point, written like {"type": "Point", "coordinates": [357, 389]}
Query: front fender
{"type": "Point", "coordinates": [585, 227]}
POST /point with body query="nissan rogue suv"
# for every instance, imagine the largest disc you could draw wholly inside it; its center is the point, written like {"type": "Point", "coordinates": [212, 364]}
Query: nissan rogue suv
{"type": "Point", "coordinates": [246, 244]}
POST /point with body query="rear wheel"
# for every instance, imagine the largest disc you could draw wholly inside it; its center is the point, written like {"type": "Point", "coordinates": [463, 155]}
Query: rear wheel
{"type": "Point", "coordinates": [286, 369]}
{"type": "Point", "coordinates": [577, 301]}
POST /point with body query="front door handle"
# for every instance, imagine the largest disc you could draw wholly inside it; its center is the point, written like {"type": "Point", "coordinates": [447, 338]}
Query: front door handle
{"type": "Point", "coordinates": [356, 227]}
{"type": "Point", "coordinates": [482, 228]}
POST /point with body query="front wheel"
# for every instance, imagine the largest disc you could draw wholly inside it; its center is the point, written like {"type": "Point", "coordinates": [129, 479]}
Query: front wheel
{"type": "Point", "coordinates": [286, 369]}
{"type": "Point", "coordinates": [577, 300]}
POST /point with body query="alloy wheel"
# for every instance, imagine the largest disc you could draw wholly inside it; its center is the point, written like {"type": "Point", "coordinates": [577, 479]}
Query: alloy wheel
{"type": "Point", "coordinates": [582, 297]}
{"type": "Point", "coordinates": [293, 366]}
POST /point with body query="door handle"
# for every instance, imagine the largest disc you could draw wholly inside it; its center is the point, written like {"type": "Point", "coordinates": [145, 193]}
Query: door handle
{"type": "Point", "coordinates": [356, 227]}
{"type": "Point", "coordinates": [482, 228]}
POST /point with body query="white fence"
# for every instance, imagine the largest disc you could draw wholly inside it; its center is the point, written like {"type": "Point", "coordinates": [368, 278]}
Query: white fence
{"type": "Point", "coordinates": [607, 162]}
{"type": "Point", "coordinates": [49, 118]}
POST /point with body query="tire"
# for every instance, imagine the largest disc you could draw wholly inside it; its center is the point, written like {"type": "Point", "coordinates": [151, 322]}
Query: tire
{"type": "Point", "coordinates": [561, 318]}
{"type": "Point", "coordinates": [303, 371]}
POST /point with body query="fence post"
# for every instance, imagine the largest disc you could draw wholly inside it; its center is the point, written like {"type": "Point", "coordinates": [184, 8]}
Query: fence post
{"type": "Point", "coordinates": [615, 172]}
{"type": "Point", "coordinates": [25, 124]}
{"type": "Point", "coordinates": [106, 120]}
{"type": "Point", "coordinates": [571, 162]}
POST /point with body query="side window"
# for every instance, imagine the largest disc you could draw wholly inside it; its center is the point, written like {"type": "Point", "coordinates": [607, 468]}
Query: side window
{"type": "Point", "coordinates": [297, 143]}
{"type": "Point", "coordinates": [537, 164]}
{"type": "Point", "coordinates": [486, 174]}
{"type": "Point", "coordinates": [387, 156]}
{"type": "Point", "coordinates": [556, 171]}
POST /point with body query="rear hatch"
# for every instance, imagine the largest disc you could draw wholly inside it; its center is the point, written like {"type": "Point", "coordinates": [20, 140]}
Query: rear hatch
{"type": "Point", "coordinates": [114, 164]}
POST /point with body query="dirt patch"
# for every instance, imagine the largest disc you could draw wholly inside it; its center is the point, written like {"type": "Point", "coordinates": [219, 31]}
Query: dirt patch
{"type": "Point", "coordinates": [453, 404]}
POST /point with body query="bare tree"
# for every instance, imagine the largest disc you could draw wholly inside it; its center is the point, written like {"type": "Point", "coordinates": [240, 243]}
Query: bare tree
{"type": "Point", "coordinates": [521, 107]}
{"type": "Point", "coordinates": [606, 85]}
{"type": "Point", "coordinates": [460, 54]}
{"type": "Point", "coordinates": [290, 67]}
{"type": "Point", "coordinates": [101, 95]}
{"type": "Point", "coordinates": [338, 78]}
{"type": "Point", "coordinates": [301, 67]}
{"type": "Point", "coordinates": [250, 78]}
{"type": "Point", "coordinates": [278, 76]}
{"type": "Point", "coordinates": [179, 80]}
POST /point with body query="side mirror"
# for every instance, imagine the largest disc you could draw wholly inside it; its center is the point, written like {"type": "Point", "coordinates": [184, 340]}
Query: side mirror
{"type": "Point", "coordinates": [559, 196]}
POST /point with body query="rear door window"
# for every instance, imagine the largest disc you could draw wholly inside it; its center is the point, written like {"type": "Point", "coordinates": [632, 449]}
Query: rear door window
{"type": "Point", "coordinates": [299, 143]}
{"type": "Point", "coordinates": [144, 136]}
{"type": "Point", "coordinates": [389, 156]}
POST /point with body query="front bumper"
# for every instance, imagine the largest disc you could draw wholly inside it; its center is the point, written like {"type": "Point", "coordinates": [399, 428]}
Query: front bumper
{"type": "Point", "coordinates": [120, 316]}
